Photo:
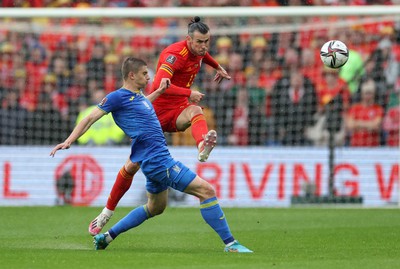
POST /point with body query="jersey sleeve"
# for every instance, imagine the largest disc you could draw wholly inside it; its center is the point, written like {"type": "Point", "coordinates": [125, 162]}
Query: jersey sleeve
{"type": "Point", "coordinates": [168, 64]}
{"type": "Point", "coordinates": [110, 102]}
{"type": "Point", "coordinates": [380, 111]}
{"type": "Point", "coordinates": [210, 61]}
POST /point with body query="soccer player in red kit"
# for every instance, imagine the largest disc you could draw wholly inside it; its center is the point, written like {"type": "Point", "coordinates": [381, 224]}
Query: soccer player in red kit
{"type": "Point", "coordinates": [176, 108]}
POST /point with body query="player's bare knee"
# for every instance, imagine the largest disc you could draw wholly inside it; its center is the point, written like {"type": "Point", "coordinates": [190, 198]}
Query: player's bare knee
{"type": "Point", "coordinates": [131, 167]}
{"type": "Point", "coordinates": [206, 191]}
{"type": "Point", "coordinates": [156, 210]}
{"type": "Point", "coordinates": [196, 110]}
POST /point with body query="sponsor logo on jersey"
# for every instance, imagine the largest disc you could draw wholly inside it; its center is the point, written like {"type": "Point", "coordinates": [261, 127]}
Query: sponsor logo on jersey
{"type": "Point", "coordinates": [146, 104]}
{"type": "Point", "coordinates": [131, 99]}
{"type": "Point", "coordinates": [103, 101]}
{"type": "Point", "coordinates": [171, 59]}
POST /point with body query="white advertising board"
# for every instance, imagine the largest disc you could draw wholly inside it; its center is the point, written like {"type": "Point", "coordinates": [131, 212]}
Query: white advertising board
{"type": "Point", "coordinates": [242, 176]}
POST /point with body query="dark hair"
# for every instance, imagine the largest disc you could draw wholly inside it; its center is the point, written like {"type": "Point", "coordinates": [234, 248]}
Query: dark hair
{"type": "Point", "coordinates": [131, 64]}
{"type": "Point", "coordinates": [196, 25]}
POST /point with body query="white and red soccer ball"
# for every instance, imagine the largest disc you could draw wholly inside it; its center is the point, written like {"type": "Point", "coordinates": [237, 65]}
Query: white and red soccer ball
{"type": "Point", "coordinates": [334, 54]}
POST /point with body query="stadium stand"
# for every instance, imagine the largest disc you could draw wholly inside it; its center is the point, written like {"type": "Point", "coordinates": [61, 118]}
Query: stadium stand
{"type": "Point", "coordinates": [261, 105]}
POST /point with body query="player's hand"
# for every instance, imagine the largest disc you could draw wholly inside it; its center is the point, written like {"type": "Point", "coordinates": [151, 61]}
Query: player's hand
{"type": "Point", "coordinates": [64, 145]}
{"type": "Point", "coordinates": [221, 74]}
{"type": "Point", "coordinates": [196, 96]}
{"type": "Point", "coordinates": [165, 82]}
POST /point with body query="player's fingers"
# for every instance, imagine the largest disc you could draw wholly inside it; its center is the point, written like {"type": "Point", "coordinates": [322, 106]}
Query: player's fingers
{"type": "Point", "coordinates": [53, 152]}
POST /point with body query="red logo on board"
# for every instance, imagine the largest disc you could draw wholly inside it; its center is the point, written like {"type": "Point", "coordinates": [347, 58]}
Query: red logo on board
{"type": "Point", "coordinates": [87, 177]}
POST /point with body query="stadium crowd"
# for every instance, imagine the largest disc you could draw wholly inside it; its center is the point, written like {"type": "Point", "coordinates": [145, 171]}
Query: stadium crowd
{"type": "Point", "coordinates": [279, 94]}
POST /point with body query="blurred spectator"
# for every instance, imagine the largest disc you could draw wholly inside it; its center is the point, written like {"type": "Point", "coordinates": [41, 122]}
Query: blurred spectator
{"type": "Point", "coordinates": [258, 52]}
{"type": "Point", "coordinates": [333, 102]}
{"type": "Point", "coordinates": [310, 65]}
{"type": "Point", "coordinates": [102, 132]}
{"type": "Point", "coordinates": [45, 124]}
{"type": "Point", "coordinates": [6, 65]}
{"type": "Point", "coordinates": [61, 73]}
{"type": "Point", "coordinates": [36, 69]}
{"type": "Point", "coordinates": [280, 43]}
{"type": "Point", "coordinates": [112, 75]}
{"type": "Point", "coordinates": [235, 69]}
{"type": "Point", "coordinates": [353, 70]}
{"type": "Point", "coordinates": [78, 89]}
{"type": "Point", "coordinates": [364, 119]}
{"type": "Point", "coordinates": [223, 47]}
{"type": "Point", "coordinates": [294, 103]}
{"type": "Point", "coordinates": [240, 121]}
{"type": "Point", "coordinates": [68, 51]}
{"type": "Point", "coordinates": [96, 66]}
{"type": "Point", "coordinates": [258, 119]}
{"type": "Point", "coordinates": [373, 71]}
{"type": "Point", "coordinates": [387, 62]}
{"type": "Point", "coordinates": [58, 100]}
{"type": "Point", "coordinates": [391, 120]}
{"type": "Point", "coordinates": [269, 73]}
{"type": "Point", "coordinates": [12, 119]}
{"type": "Point", "coordinates": [291, 60]}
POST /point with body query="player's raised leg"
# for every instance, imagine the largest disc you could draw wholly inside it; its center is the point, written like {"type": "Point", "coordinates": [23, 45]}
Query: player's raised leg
{"type": "Point", "coordinates": [120, 187]}
{"type": "Point", "coordinates": [205, 140]}
{"type": "Point", "coordinates": [207, 145]}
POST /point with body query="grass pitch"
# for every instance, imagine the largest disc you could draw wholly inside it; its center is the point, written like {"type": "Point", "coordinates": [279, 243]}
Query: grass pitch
{"type": "Point", "coordinates": [57, 237]}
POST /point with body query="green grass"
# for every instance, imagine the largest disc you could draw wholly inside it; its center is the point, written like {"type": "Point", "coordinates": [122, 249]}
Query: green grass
{"type": "Point", "coordinates": [56, 237]}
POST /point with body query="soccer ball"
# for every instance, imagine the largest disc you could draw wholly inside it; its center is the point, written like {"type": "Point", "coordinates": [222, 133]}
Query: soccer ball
{"type": "Point", "coordinates": [334, 54]}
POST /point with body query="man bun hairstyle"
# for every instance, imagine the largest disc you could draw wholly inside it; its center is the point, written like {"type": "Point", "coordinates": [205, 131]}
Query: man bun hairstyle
{"type": "Point", "coordinates": [196, 25]}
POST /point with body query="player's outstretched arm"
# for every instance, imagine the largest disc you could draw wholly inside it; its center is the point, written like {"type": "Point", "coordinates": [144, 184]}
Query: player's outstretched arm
{"type": "Point", "coordinates": [165, 83]}
{"type": "Point", "coordinates": [79, 129]}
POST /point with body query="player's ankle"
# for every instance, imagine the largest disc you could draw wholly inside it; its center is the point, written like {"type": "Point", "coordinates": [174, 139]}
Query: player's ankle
{"type": "Point", "coordinates": [200, 145]}
{"type": "Point", "coordinates": [108, 212]}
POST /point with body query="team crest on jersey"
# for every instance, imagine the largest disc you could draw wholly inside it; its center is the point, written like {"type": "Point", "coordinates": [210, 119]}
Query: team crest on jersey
{"type": "Point", "coordinates": [103, 101]}
{"type": "Point", "coordinates": [176, 168]}
{"type": "Point", "coordinates": [171, 59]}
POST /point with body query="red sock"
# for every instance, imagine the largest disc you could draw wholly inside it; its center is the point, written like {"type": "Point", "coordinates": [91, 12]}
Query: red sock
{"type": "Point", "coordinates": [121, 185]}
{"type": "Point", "coordinates": [199, 128]}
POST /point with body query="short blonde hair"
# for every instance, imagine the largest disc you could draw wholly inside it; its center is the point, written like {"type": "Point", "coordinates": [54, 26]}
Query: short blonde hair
{"type": "Point", "coordinates": [368, 86]}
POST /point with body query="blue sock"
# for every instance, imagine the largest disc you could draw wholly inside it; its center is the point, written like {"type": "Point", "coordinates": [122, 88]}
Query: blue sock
{"type": "Point", "coordinates": [215, 217]}
{"type": "Point", "coordinates": [133, 219]}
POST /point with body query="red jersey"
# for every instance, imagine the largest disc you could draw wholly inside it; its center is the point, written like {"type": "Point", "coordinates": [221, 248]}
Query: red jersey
{"type": "Point", "coordinates": [326, 94]}
{"type": "Point", "coordinates": [364, 138]}
{"type": "Point", "coordinates": [177, 63]}
{"type": "Point", "coordinates": [391, 124]}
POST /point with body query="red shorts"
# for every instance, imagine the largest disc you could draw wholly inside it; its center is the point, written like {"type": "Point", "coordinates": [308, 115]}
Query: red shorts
{"type": "Point", "coordinates": [168, 117]}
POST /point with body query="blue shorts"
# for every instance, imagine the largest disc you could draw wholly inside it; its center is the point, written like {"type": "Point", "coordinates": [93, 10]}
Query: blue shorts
{"type": "Point", "coordinates": [161, 174]}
